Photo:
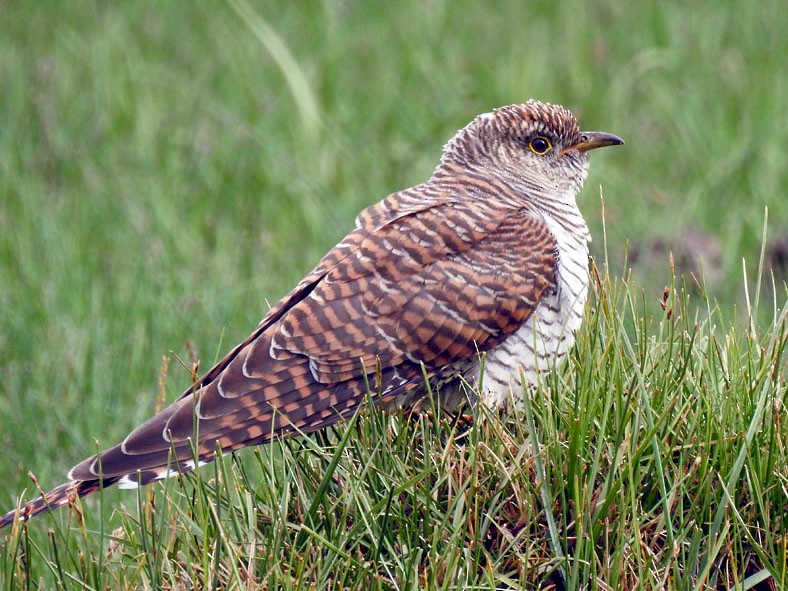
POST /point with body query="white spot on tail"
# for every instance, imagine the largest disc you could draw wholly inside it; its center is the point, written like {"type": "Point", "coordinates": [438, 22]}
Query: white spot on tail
{"type": "Point", "coordinates": [131, 481]}
{"type": "Point", "coordinates": [128, 482]}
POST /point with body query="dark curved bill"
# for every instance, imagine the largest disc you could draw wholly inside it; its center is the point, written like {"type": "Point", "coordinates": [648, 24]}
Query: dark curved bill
{"type": "Point", "coordinates": [591, 140]}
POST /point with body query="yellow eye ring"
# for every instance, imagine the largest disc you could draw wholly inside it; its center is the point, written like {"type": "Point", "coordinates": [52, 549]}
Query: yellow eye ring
{"type": "Point", "coordinates": [540, 145]}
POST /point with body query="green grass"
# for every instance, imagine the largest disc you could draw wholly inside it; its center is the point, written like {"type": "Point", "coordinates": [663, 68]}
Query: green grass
{"type": "Point", "coordinates": [167, 170]}
{"type": "Point", "coordinates": [654, 460]}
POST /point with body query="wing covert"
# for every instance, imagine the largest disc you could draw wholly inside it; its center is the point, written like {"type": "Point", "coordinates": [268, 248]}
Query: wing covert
{"type": "Point", "coordinates": [434, 287]}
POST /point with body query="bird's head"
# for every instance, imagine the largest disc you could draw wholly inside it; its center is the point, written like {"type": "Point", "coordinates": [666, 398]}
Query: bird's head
{"type": "Point", "coordinates": [537, 144]}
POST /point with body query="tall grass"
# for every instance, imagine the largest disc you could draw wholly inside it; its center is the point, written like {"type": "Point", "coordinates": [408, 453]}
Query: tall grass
{"type": "Point", "coordinates": [654, 460]}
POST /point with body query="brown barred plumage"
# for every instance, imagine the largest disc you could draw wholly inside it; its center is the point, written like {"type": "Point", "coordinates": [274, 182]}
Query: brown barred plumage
{"type": "Point", "coordinates": [488, 256]}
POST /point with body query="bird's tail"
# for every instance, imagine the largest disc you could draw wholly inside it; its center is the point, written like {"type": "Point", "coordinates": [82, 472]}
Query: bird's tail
{"type": "Point", "coordinates": [60, 496]}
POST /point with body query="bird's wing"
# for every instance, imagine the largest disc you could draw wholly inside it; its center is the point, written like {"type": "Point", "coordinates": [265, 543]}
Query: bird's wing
{"type": "Point", "coordinates": [430, 285]}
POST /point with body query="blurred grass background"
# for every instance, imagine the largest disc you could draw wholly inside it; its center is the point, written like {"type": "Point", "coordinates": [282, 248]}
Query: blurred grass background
{"type": "Point", "coordinates": [168, 168]}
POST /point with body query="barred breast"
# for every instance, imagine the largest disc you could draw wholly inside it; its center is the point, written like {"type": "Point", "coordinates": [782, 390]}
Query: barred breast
{"type": "Point", "coordinates": [548, 335]}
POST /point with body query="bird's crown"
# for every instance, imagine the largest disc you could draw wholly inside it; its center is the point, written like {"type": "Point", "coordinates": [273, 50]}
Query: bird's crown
{"type": "Point", "coordinates": [515, 125]}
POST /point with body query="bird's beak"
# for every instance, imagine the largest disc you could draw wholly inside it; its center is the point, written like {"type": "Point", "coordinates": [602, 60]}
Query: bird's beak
{"type": "Point", "coordinates": [590, 140]}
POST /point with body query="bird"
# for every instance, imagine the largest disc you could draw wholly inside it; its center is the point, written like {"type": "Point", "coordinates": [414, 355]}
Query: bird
{"type": "Point", "coordinates": [478, 275]}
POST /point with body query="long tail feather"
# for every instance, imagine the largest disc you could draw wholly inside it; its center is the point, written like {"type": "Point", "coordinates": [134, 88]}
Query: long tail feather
{"type": "Point", "coordinates": [60, 496]}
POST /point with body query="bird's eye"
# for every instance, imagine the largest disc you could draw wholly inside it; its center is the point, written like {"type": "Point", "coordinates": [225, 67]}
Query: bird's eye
{"type": "Point", "coordinates": [540, 145]}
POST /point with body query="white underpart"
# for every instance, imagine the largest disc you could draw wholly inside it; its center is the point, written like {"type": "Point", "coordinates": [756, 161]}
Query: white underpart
{"type": "Point", "coordinates": [548, 335]}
